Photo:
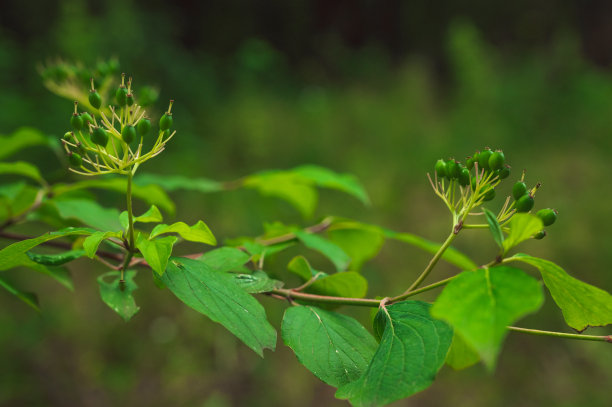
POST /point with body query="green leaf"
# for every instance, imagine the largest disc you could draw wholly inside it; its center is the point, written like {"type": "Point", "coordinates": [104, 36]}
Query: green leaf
{"type": "Point", "coordinates": [56, 259]}
{"type": "Point", "coordinates": [496, 230]}
{"type": "Point", "coordinates": [582, 304]}
{"type": "Point", "coordinates": [346, 284]}
{"type": "Point", "coordinates": [217, 296]}
{"type": "Point", "coordinates": [28, 298]}
{"type": "Point", "coordinates": [300, 266]}
{"type": "Point", "coordinates": [20, 139]}
{"type": "Point", "coordinates": [17, 199]}
{"type": "Point", "coordinates": [258, 282]}
{"type": "Point", "coordinates": [522, 227]}
{"type": "Point", "coordinates": [359, 241]}
{"type": "Point", "coordinates": [226, 259]}
{"type": "Point", "coordinates": [461, 355]}
{"type": "Point", "coordinates": [330, 250]}
{"type": "Point", "coordinates": [412, 350]}
{"type": "Point", "coordinates": [22, 168]}
{"type": "Point", "coordinates": [451, 255]}
{"type": "Point", "coordinates": [151, 194]}
{"type": "Point", "coordinates": [88, 212]}
{"type": "Point", "coordinates": [326, 178]}
{"type": "Point", "coordinates": [91, 243]}
{"type": "Point", "coordinates": [14, 254]}
{"type": "Point", "coordinates": [151, 216]}
{"type": "Point", "coordinates": [481, 304]}
{"type": "Point", "coordinates": [292, 188]}
{"type": "Point", "coordinates": [175, 182]}
{"type": "Point", "coordinates": [335, 347]}
{"type": "Point", "coordinates": [196, 233]}
{"type": "Point", "coordinates": [118, 296]}
{"type": "Point", "coordinates": [156, 251]}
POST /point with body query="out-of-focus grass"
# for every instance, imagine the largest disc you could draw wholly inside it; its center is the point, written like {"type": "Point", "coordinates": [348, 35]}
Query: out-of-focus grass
{"type": "Point", "coordinates": [387, 124]}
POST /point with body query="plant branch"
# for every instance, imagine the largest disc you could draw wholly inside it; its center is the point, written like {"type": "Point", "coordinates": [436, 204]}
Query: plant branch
{"type": "Point", "coordinates": [420, 290]}
{"type": "Point", "coordinates": [318, 228]}
{"type": "Point", "coordinates": [325, 299]}
{"type": "Point", "coordinates": [538, 332]}
{"type": "Point", "coordinates": [59, 245]}
{"type": "Point", "coordinates": [432, 262]}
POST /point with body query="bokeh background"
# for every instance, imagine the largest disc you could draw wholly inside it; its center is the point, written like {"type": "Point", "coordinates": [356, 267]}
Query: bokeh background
{"type": "Point", "coordinates": [378, 89]}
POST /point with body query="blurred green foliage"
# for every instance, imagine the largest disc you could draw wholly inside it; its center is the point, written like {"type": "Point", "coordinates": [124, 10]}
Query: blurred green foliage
{"type": "Point", "coordinates": [366, 113]}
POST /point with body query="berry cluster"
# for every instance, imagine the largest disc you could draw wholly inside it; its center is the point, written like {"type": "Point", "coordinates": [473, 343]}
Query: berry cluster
{"type": "Point", "coordinates": [483, 172]}
{"type": "Point", "coordinates": [524, 202]}
{"type": "Point", "coordinates": [488, 164]}
{"type": "Point", "coordinates": [100, 144]}
{"type": "Point", "coordinates": [71, 80]}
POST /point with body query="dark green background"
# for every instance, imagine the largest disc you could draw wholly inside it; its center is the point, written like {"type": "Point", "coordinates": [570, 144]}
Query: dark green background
{"type": "Point", "coordinates": [378, 89]}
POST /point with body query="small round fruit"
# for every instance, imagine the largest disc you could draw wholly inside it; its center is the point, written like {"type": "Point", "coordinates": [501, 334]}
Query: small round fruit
{"type": "Point", "coordinates": [76, 122]}
{"type": "Point", "coordinates": [483, 159]}
{"type": "Point", "coordinates": [440, 167]}
{"type": "Point", "coordinates": [130, 99]}
{"type": "Point", "coordinates": [143, 126]}
{"type": "Point", "coordinates": [453, 169]}
{"type": "Point", "coordinates": [95, 99]}
{"type": "Point", "coordinates": [99, 136]}
{"type": "Point", "coordinates": [68, 136]}
{"type": "Point", "coordinates": [87, 119]}
{"type": "Point", "coordinates": [524, 203]}
{"type": "Point", "coordinates": [540, 235]}
{"type": "Point", "coordinates": [504, 172]}
{"type": "Point", "coordinates": [75, 159]}
{"type": "Point", "coordinates": [464, 177]}
{"type": "Point", "coordinates": [473, 182]}
{"type": "Point", "coordinates": [166, 121]}
{"type": "Point", "coordinates": [548, 216]}
{"type": "Point", "coordinates": [489, 195]}
{"type": "Point", "coordinates": [128, 134]}
{"type": "Point", "coordinates": [469, 163]}
{"type": "Point", "coordinates": [121, 96]}
{"type": "Point", "coordinates": [166, 134]}
{"type": "Point", "coordinates": [497, 160]}
{"type": "Point", "coordinates": [518, 190]}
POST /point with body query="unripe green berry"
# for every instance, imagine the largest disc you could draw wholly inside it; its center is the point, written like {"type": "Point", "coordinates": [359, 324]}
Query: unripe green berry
{"type": "Point", "coordinates": [518, 190]}
{"type": "Point", "coordinates": [469, 163]}
{"type": "Point", "coordinates": [166, 121]}
{"type": "Point", "coordinates": [453, 169]}
{"type": "Point", "coordinates": [68, 136]}
{"type": "Point", "coordinates": [464, 177]}
{"type": "Point", "coordinates": [483, 159]}
{"type": "Point", "coordinates": [548, 216]}
{"type": "Point", "coordinates": [441, 168]}
{"type": "Point", "coordinates": [496, 160]}
{"type": "Point", "coordinates": [143, 126]}
{"type": "Point", "coordinates": [76, 121]}
{"type": "Point", "coordinates": [128, 134]}
{"type": "Point", "coordinates": [121, 96]}
{"type": "Point", "coordinates": [540, 235]}
{"type": "Point", "coordinates": [87, 119]}
{"type": "Point", "coordinates": [166, 134]}
{"type": "Point", "coordinates": [75, 159]}
{"type": "Point", "coordinates": [95, 99]}
{"type": "Point", "coordinates": [504, 172]}
{"type": "Point", "coordinates": [524, 203]}
{"type": "Point", "coordinates": [99, 136]}
{"type": "Point", "coordinates": [473, 182]}
{"type": "Point", "coordinates": [130, 99]}
{"type": "Point", "coordinates": [489, 195]}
